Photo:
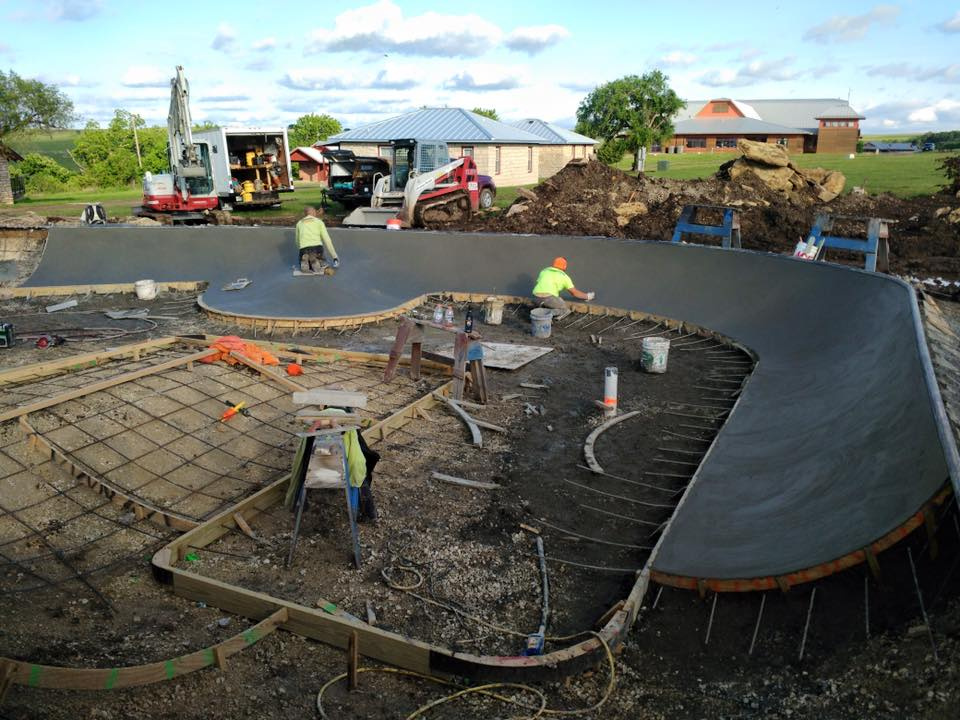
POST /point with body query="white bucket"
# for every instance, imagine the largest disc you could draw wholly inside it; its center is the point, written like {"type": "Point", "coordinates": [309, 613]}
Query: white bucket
{"type": "Point", "coordinates": [492, 311]}
{"type": "Point", "coordinates": [145, 289]}
{"type": "Point", "coordinates": [541, 321]}
{"type": "Point", "coordinates": [653, 358]}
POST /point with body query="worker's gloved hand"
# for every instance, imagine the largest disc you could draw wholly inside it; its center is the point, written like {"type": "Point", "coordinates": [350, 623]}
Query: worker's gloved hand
{"type": "Point", "coordinates": [590, 296]}
{"type": "Point", "coordinates": [336, 262]}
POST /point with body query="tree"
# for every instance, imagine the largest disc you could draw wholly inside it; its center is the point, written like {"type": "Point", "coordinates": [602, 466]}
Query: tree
{"type": "Point", "coordinates": [27, 105]}
{"type": "Point", "coordinates": [108, 155]}
{"type": "Point", "coordinates": [487, 112]}
{"type": "Point", "coordinates": [638, 109]}
{"type": "Point", "coordinates": [312, 128]}
{"type": "Point", "coordinates": [42, 174]}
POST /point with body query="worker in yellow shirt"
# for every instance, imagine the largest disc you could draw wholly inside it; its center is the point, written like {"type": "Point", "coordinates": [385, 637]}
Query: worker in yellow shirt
{"type": "Point", "coordinates": [312, 240]}
{"type": "Point", "coordinates": [551, 282]}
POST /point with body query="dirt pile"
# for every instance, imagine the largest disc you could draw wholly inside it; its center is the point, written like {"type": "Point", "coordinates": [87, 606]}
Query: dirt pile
{"type": "Point", "coordinates": [771, 165]}
{"type": "Point", "coordinates": [594, 199]}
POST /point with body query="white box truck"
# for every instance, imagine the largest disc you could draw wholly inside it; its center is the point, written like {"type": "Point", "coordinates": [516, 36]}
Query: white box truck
{"type": "Point", "coordinates": [250, 166]}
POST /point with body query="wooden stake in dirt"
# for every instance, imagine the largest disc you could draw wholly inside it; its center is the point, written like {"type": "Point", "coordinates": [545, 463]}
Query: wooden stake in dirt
{"type": "Point", "coordinates": [463, 481]}
{"type": "Point", "coordinates": [353, 659]}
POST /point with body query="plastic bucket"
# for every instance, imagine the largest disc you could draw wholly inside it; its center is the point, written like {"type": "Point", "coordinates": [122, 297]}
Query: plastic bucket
{"type": "Point", "coordinates": [653, 356]}
{"type": "Point", "coordinates": [492, 311]}
{"type": "Point", "coordinates": [541, 321]}
{"type": "Point", "coordinates": [145, 289]}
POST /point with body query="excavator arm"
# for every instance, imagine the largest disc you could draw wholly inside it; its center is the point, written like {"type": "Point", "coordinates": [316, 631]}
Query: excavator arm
{"type": "Point", "coordinates": [184, 159]}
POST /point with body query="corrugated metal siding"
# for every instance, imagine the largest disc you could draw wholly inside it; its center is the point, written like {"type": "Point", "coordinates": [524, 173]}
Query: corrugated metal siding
{"type": "Point", "coordinates": [553, 133]}
{"type": "Point", "coordinates": [453, 125]}
{"type": "Point", "coordinates": [731, 126]}
{"type": "Point", "coordinates": [800, 113]}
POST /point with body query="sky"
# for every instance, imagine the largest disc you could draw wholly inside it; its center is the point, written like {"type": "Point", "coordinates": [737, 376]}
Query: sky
{"type": "Point", "coordinates": [267, 63]}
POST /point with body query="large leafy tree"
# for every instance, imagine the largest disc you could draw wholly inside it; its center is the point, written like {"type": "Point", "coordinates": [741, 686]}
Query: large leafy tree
{"type": "Point", "coordinates": [635, 109]}
{"type": "Point", "coordinates": [27, 105]}
{"type": "Point", "coordinates": [108, 156]}
{"type": "Point", "coordinates": [311, 129]}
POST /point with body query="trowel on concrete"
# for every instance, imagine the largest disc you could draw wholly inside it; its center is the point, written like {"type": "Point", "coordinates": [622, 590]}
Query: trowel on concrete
{"type": "Point", "coordinates": [325, 270]}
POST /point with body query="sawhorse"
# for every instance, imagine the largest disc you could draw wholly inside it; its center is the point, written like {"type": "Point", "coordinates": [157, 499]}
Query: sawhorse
{"type": "Point", "coordinates": [466, 350]}
{"type": "Point", "coordinates": [875, 247]}
{"type": "Point", "coordinates": [728, 231]}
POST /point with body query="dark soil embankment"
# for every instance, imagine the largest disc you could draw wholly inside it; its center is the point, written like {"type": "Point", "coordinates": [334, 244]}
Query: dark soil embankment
{"type": "Point", "coordinates": [594, 199]}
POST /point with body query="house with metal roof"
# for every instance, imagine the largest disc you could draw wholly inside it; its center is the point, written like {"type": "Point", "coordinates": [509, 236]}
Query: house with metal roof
{"type": "Point", "coordinates": [562, 145]}
{"type": "Point", "coordinates": [801, 125]}
{"type": "Point", "coordinates": [510, 154]}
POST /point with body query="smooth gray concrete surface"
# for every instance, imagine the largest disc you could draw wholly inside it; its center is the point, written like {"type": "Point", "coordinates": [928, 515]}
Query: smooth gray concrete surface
{"type": "Point", "coordinates": [835, 442]}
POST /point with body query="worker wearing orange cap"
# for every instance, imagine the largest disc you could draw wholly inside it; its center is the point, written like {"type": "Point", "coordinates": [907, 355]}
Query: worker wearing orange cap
{"type": "Point", "coordinates": [551, 282]}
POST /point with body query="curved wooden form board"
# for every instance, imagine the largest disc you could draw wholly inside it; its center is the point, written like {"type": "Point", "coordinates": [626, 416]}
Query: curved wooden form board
{"type": "Point", "coordinates": [67, 678]}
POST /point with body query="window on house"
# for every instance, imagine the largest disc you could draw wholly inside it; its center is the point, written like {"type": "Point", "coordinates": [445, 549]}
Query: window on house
{"type": "Point", "coordinates": [724, 142]}
{"type": "Point", "coordinates": [466, 151]}
{"type": "Point", "coordinates": [721, 107]}
{"type": "Point", "coordinates": [696, 142]}
{"type": "Point", "coordinates": [782, 141]}
{"type": "Point", "coordinates": [496, 167]}
{"type": "Point", "coordinates": [383, 151]}
{"type": "Point", "coordinates": [529, 158]}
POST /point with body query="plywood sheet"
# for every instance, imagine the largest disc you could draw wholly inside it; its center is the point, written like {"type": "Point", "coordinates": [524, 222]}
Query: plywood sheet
{"type": "Point", "coordinates": [503, 356]}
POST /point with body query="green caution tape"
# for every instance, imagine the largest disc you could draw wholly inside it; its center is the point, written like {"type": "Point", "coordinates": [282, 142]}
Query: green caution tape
{"type": "Point", "coordinates": [251, 636]}
{"type": "Point", "coordinates": [208, 656]}
{"type": "Point", "coordinates": [329, 608]}
{"type": "Point", "coordinates": [170, 669]}
{"type": "Point", "coordinates": [111, 679]}
{"type": "Point", "coordinates": [191, 557]}
{"type": "Point", "coordinates": [34, 679]}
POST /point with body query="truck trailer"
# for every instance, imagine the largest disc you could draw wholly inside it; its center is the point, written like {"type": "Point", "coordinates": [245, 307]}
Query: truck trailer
{"type": "Point", "coordinates": [250, 166]}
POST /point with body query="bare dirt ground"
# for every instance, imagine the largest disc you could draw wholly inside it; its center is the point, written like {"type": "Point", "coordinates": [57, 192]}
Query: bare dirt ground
{"type": "Point", "coordinates": [468, 546]}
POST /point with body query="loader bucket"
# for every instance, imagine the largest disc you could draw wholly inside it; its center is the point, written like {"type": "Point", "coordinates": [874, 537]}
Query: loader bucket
{"type": "Point", "coordinates": [370, 217]}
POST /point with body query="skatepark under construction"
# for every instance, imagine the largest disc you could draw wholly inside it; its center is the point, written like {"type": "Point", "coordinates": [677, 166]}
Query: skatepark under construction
{"type": "Point", "coordinates": [836, 445]}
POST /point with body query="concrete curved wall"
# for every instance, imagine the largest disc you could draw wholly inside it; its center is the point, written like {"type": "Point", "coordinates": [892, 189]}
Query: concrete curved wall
{"type": "Point", "coordinates": [839, 437]}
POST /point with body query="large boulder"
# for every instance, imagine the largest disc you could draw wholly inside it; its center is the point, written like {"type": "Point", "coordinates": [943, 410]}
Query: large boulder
{"type": "Point", "coordinates": [764, 153]}
{"type": "Point", "coordinates": [834, 182]}
{"type": "Point", "coordinates": [814, 175]}
{"type": "Point", "coordinates": [776, 178]}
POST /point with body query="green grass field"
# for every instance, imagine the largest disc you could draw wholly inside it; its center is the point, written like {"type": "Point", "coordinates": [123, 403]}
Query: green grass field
{"type": "Point", "coordinates": [903, 175]}
{"type": "Point", "coordinates": [55, 144]}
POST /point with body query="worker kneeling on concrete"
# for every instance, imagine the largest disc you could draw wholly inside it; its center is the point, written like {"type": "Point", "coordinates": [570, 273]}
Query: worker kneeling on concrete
{"type": "Point", "coordinates": [313, 240]}
{"type": "Point", "coordinates": [551, 282]}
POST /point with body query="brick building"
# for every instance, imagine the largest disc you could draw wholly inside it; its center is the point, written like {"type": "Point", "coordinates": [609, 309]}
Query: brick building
{"type": "Point", "coordinates": [519, 154]}
{"type": "Point", "coordinates": [802, 126]}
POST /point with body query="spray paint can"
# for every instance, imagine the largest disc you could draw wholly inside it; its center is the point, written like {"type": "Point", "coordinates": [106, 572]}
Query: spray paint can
{"type": "Point", "coordinates": [468, 321]}
{"type": "Point", "coordinates": [438, 314]}
{"type": "Point", "coordinates": [448, 315]}
{"type": "Point", "coordinates": [609, 391]}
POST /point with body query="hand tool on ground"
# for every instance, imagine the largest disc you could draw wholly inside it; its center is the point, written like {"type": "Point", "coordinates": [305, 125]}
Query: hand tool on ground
{"type": "Point", "coordinates": [232, 410]}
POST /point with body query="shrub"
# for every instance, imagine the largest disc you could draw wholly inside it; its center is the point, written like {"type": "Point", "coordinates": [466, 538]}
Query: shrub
{"type": "Point", "coordinates": [611, 151]}
{"type": "Point", "coordinates": [951, 168]}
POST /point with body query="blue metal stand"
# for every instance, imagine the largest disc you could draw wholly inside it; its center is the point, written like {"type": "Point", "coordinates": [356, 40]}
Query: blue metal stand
{"type": "Point", "coordinates": [728, 231]}
{"type": "Point", "coordinates": [875, 247]}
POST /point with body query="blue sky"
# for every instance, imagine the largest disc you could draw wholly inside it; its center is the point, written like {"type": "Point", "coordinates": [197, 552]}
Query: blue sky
{"type": "Point", "coordinates": [258, 63]}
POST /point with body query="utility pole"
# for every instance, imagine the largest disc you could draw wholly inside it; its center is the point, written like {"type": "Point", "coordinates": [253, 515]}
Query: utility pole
{"type": "Point", "coordinates": [136, 139]}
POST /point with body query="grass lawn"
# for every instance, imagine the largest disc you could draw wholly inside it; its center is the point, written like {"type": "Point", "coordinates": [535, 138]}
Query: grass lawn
{"type": "Point", "coordinates": [121, 202]}
{"type": "Point", "coordinates": [905, 175]}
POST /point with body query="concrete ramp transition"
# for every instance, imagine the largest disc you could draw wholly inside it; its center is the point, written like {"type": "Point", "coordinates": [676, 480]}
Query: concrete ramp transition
{"type": "Point", "coordinates": [838, 440]}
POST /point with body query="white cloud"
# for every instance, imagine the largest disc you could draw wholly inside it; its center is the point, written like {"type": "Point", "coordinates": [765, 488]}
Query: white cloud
{"type": "Point", "coordinates": [145, 76]}
{"type": "Point", "coordinates": [67, 80]}
{"type": "Point", "coordinates": [751, 73]}
{"type": "Point", "coordinates": [484, 78]}
{"type": "Point", "coordinates": [677, 58]}
{"type": "Point", "coordinates": [315, 79]}
{"type": "Point", "coordinates": [260, 64]}
{"type": "Point", "coordinates": [841, 28]}
{"type": "Point", "coordinates": [73, 10]}
{"type": "Point", "coordinates": [952, 25]}
{"type": "Point", "coordinates": [382, 28]}
{"type": "Point", "coordinates": [918, 114]}
{"type": "Point", "coordinates": [265, 45]}
{"type": "Point", "coordinates": [536, 38]}
{"type": "Point", "coordinates": [944, 74]}
{"type": "Point", "coordinates": [225, 38]}
{"type": "Point", "coordinates": [391, 79]}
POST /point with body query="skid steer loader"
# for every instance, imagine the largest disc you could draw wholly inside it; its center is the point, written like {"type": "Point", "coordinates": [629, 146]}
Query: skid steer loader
{"type": "Point", "coordinates": [424, 185]}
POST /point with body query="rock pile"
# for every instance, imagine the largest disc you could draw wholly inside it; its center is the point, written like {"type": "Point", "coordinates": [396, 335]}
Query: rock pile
{"type": "Point", "coordinates": [771, 165]}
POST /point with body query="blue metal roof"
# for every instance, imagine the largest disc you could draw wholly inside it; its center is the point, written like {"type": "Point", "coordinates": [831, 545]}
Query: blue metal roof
{"type": "Point", "coordinates": [553, 133]}
{"type": "Point", "coordinates": [452, 125]}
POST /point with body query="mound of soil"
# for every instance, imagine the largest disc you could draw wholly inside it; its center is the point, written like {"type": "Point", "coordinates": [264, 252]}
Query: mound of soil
{"type": "Point", "coordinates": [595, 199]}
